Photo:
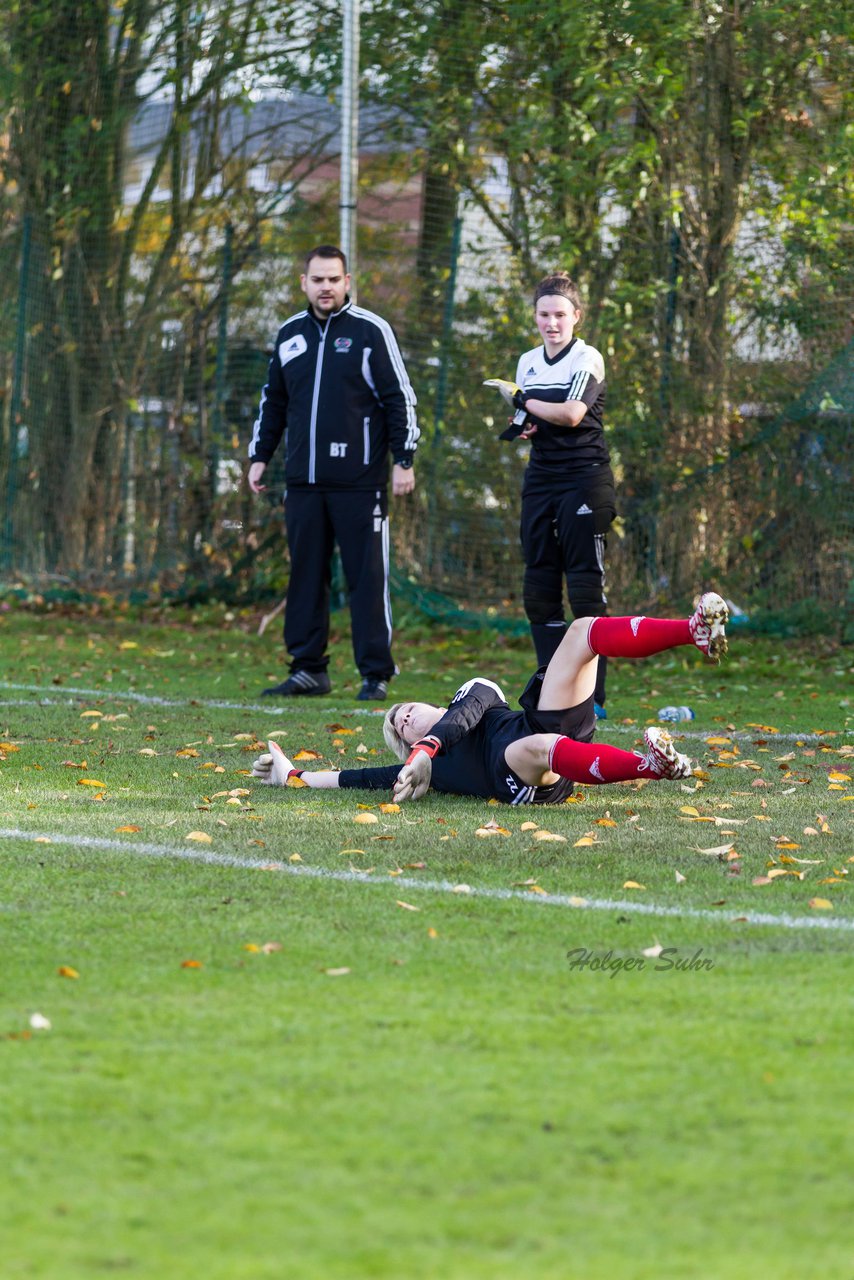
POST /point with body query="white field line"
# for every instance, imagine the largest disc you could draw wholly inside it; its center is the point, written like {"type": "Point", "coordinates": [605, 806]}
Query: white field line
{"type": "Point", "coordinates": [52, 697]}
{"type": "Point", "coordinates": [146, 850]}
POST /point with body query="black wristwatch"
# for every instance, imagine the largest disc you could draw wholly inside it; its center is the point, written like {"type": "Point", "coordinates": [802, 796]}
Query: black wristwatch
{"type": "Point", "coordinates": [406, 463]}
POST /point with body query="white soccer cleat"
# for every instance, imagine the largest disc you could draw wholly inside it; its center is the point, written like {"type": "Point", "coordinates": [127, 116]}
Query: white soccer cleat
{"type": "Point", "coordinates": [708, 625]}
{"type": "Point", "coordinates": [273, 768]}
{"type": "Point", "coordinates": [661, 756]}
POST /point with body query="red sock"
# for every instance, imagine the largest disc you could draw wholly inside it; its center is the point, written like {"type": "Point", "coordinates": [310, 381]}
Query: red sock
{"type": "Point", "coordinates": [636, 637]}
{"type": "Point", "coordinates": [594, 762]}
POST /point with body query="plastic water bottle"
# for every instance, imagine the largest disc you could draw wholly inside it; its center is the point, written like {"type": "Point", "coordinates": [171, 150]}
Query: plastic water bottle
{"type": "Point", "coordinates": [676, 713]}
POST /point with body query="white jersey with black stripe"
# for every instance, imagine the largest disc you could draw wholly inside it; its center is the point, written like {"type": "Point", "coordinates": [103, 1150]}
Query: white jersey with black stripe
{"type": "Point", "coordinates": [575, 373]}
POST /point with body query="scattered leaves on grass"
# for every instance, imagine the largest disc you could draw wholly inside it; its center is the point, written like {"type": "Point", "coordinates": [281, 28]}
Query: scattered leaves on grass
{"type": "Point", "coordinates": [90, 782]}
{"type": "Point", "coordinates": [191, 964]}
{"type": "Point", "coordinates": [633, 884]}
{"type": "Point", "coordinates": [66, 971]}
{"type": "Point", "coordinates": [307, 754]}
{"type": "Point", "coordinates": [344, 852]}
{"type": "Point", "coordinates": [294, 858]}
{"type": "Point", "coordinates": [820, 904]}
{"type": "Point", "coordinates": [652, 953]}
{"type": "Point", "coordinates": [714, 851]}
{"type": "Point", "coordinates": [529, 826]}
{"type": "Point", "coordinates": [201, 836]}
{"type": "Point", "coordinates": [546, 837]}
{"type": "Point", "coordinates": [336, 973]}
{"type": "Point", "coordinates": [491, 829]}
{"type": "Point", "coordinates": [680, 879]}
{"type": "Point", "coordinates": [432, 933]}
{"type": "Point", "coordinates": [389, 808]}
{"type": "Point", "coordinates": [366, 818]}
{"type": "Point", "coordinates": [130, 828]}
{"type": "Point", "coordinates": [407, 906]}
{"type": "Point", "coordinates": [584, 841]}
{"type": "Point", "coordinates": [39, 1022]}
{"type": "Point", "coordinates": [187, 752]}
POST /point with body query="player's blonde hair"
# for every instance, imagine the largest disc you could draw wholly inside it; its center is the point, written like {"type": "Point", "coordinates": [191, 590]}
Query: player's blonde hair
{"type": "Point", "coordinates": [394, 742]}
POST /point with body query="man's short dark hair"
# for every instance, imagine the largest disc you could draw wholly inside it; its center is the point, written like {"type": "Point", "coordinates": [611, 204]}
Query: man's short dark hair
{"type": "Point", "coordinates": [562, 285]}
{"type": "Point", "coordinates": [326, 251]}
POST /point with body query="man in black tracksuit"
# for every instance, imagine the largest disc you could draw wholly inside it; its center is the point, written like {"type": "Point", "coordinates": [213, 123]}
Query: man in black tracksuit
{"type": "Point", "coordinates": [338, 389]}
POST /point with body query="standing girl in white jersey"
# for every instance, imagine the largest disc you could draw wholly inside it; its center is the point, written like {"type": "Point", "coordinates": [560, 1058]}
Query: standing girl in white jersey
{"type": "Point", "coordinates": [568, 497]}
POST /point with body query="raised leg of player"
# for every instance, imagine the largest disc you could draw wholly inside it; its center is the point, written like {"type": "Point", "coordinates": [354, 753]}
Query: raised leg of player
{"type": "Point", "coordinates": [571, 675]}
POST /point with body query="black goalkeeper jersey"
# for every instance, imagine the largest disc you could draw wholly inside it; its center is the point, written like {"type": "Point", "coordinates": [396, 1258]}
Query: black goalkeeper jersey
{"type": "Point", "coordinates": [473, 736]}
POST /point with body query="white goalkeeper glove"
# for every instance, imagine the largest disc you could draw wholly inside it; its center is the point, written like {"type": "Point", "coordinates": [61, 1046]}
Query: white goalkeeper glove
{"type": "Point", "coordinates": [273, 768]}
{"type": "Point", "coordinates": [415, 777]}
{"type": "Point", "coordinates": [514, 397]}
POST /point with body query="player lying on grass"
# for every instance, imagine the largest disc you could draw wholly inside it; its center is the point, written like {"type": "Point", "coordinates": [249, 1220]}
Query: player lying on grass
{"type": "Point", "coordinates": [477, 746]}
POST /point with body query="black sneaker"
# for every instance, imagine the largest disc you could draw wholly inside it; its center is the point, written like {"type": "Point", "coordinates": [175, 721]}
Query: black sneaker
{"type": "Point", "coordinates": [372, 690]}
{"type": "Point", "coordinates": [302, 684]}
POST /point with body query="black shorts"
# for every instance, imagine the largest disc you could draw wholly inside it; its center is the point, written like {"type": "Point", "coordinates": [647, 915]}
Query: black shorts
{"type": "Point", "coordinates": [578, 723]}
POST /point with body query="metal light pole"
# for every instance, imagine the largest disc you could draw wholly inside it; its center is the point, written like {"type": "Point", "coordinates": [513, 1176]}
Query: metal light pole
{"type": "Point", "coordinates": [350, 134]}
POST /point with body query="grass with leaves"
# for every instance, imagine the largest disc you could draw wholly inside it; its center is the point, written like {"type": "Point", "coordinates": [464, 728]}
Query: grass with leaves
{"type": "Point", "coordinates": [275, 1050]}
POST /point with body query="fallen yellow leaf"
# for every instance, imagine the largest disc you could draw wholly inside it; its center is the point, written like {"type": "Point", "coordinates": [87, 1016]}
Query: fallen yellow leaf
{"type": "Point", "coordinates": [129, 828]}
{"type": "Point", "coordinates": [820, 904]}
{"type": "Point", "coordinates": [90, 782]}
{"type": "Point", "coordinates": [66, 971]}
{"type": "Point", "coordinates": [201, 836]}
{"type": "Point", "coordinates": [633, 884]}
{"type": "Point", "coordinates": [366, 818]}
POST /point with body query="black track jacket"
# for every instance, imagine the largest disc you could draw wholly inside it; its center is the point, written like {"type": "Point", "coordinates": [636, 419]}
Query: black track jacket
{"type": "Point", "coordinates": [341, 391]}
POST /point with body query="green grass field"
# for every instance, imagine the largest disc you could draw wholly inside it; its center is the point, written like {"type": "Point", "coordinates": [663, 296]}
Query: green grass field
{"type": "Point", "coordinates": [284, 1043]}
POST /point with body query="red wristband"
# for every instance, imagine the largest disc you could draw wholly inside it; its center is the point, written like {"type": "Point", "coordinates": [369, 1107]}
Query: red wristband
{"type": "Point", "coordinates": [430, 746]}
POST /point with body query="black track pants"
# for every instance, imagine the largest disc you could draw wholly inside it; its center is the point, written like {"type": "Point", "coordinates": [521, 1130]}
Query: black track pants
{"type": "Point", "coordinates": [358, 522]}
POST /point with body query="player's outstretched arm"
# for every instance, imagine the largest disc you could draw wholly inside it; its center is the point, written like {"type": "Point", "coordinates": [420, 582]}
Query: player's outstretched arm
{"type": "Point", "coordinates": [274, 769]}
